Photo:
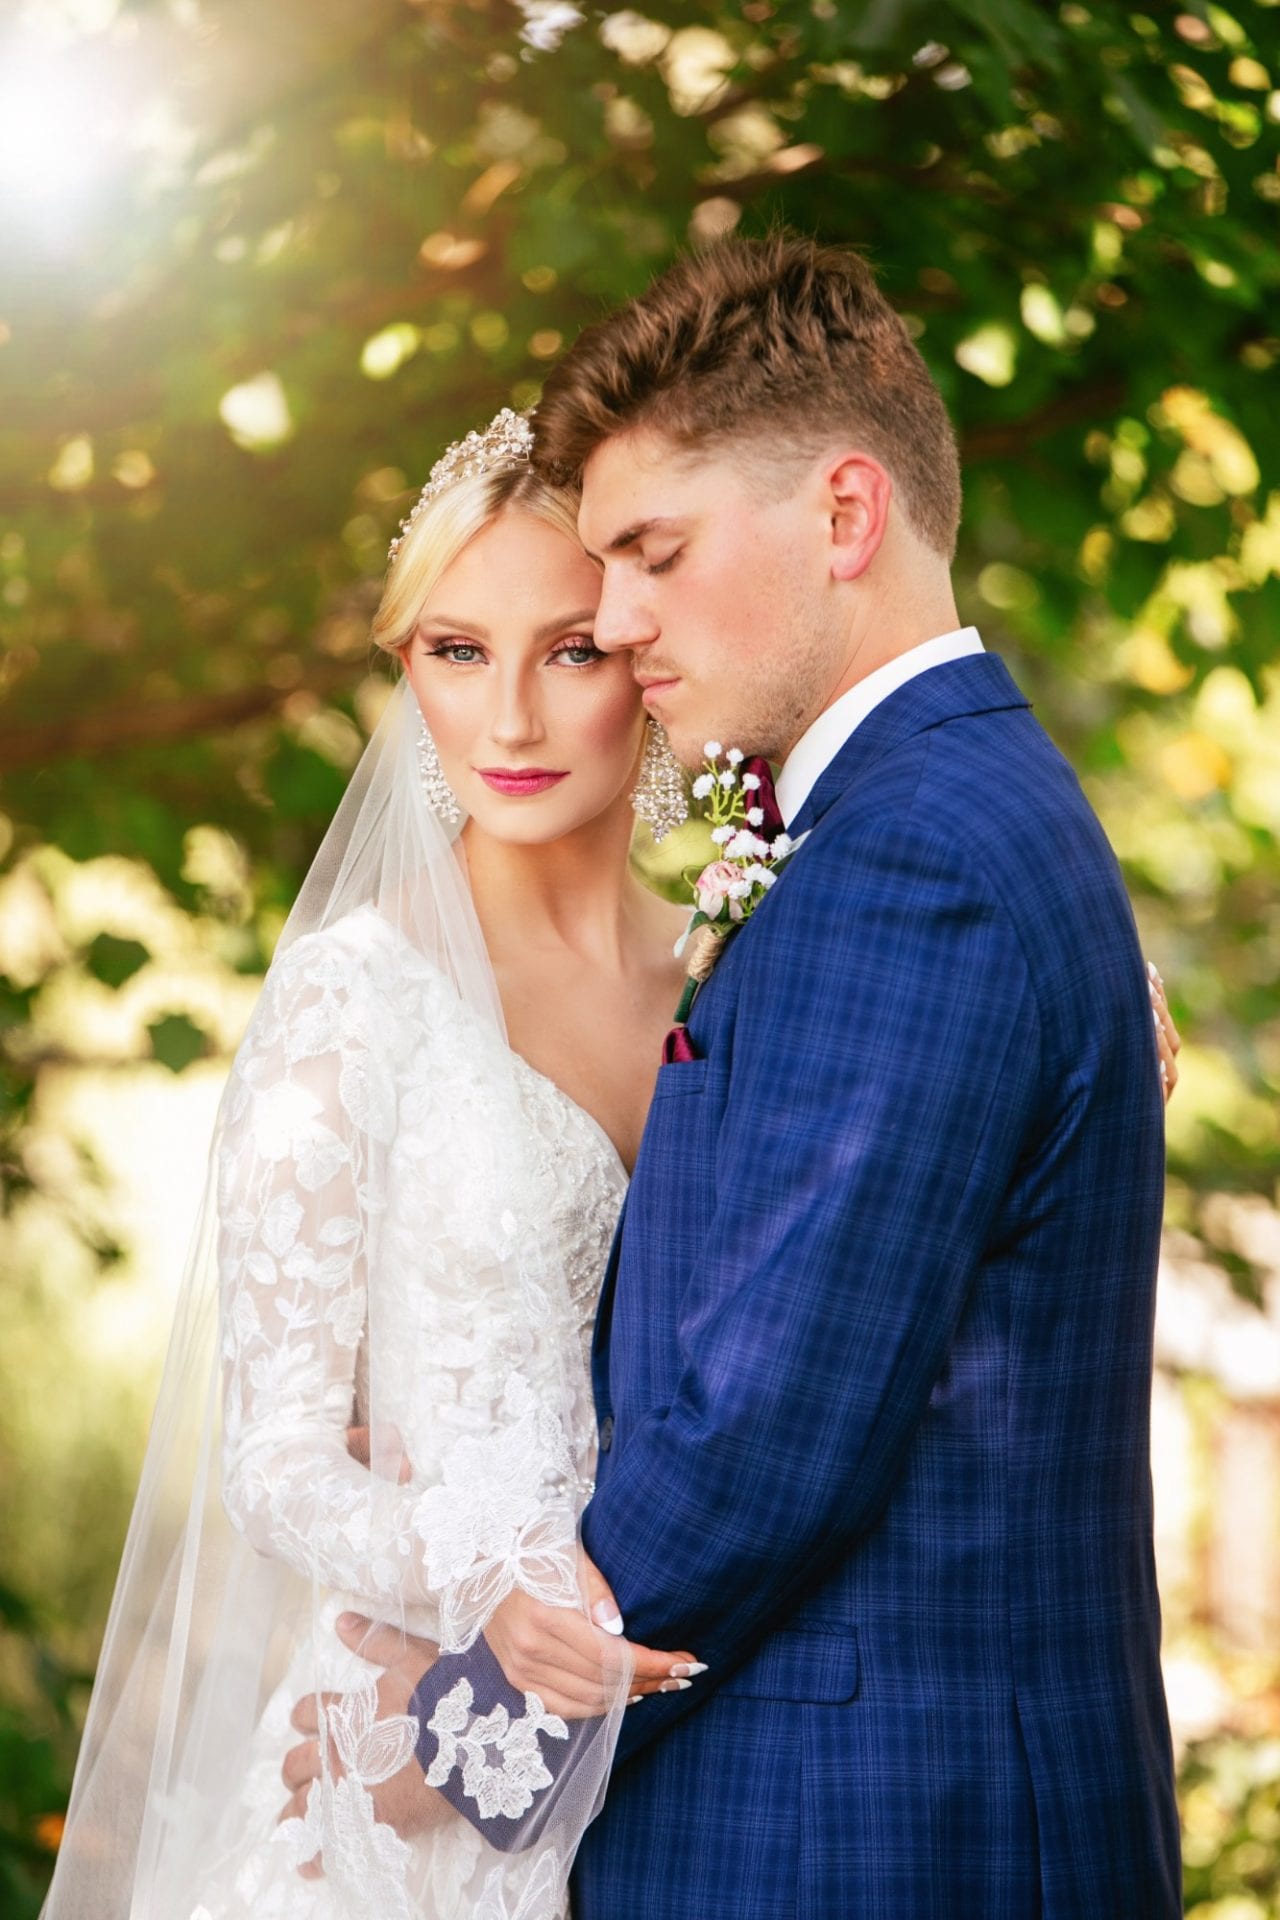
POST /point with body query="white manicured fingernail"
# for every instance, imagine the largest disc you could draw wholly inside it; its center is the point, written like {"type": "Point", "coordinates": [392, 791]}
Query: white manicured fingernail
{"type": "Point", "coordinates": [635, 1699]}
{"type": "Point", "coordinates": [675, 1686]}
{"type": "Point", "coordinates": [607, 1617]}
{"type": "Point", "coordinates": [686, 1669]}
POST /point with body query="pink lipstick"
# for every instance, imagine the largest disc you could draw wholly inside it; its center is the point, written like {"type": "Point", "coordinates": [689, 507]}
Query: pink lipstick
{"type": "Point", "coordinates": [517, 781]}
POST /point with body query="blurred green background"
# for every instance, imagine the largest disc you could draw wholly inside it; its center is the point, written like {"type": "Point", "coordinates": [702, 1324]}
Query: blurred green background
{"type": "Point", "coordinates": [257, 265]}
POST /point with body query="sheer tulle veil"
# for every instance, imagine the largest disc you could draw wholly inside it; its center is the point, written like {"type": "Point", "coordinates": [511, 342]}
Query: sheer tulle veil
{"type": "Point", "coordinates": [252, 1525]}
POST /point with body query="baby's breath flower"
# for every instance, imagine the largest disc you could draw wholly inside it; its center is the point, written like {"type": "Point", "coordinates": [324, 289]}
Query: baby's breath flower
{"type": "Point", "coordinates": [744, 845]}
{"type": "Point", "coordinates": [734, 883]}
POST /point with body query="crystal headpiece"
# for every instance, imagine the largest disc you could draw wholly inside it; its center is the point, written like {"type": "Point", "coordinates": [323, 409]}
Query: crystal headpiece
{"type": "Point", "coordinates": [507, 441]}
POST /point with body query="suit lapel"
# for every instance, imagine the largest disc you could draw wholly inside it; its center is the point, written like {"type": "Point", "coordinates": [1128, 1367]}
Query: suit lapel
{"type": "Point", "coordinates": [604, 1318]}
{"type": "Point", "coordinates": [979, 683]}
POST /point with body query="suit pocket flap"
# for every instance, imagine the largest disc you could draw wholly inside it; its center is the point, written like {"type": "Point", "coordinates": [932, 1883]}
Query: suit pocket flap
{"type": "Point", "coordinates": [800, 1663]}
{"type": "Point", "coordinates": [681, 1076]}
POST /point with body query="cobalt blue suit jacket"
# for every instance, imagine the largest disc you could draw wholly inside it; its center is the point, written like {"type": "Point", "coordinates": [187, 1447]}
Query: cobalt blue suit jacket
{"type": "Point", "coordinates": [873, 1368]}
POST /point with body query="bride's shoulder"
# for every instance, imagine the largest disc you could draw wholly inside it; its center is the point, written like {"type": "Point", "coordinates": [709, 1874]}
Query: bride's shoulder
{"type": "Point", "coordinates": [361, 954]}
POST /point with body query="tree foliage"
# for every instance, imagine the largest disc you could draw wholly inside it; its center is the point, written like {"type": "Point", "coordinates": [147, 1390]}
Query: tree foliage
{"type": "Point", "coordinates": [321, 241]}
{"type": "Point", "coordinates": [220, 400]}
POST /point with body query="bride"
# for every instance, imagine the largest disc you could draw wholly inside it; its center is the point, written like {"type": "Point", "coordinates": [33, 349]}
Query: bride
{"type": "Point", "coordinates": [417, 1169]}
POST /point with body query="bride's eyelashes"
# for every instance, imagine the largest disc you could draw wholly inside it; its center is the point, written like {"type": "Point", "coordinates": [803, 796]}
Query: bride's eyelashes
{"type": "Point", "coordinates": [664, 566]}
{"type": "Point", "coordinates": [581, 645]}
{"type": "Point", "coordinates": [451, 649]}
{"type": "Point", "coordinates": [577, 652]}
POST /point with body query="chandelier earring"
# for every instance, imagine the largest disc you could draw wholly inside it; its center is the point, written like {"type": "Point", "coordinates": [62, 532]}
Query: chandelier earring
{"type": "Point", "coordinates": [660, 799]}
{"type": "Point", "coordinates": [439, 795]}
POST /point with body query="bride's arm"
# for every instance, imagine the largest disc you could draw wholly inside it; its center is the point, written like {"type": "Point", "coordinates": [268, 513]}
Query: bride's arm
{"type": "Point", "coordinates": [293, 1250]}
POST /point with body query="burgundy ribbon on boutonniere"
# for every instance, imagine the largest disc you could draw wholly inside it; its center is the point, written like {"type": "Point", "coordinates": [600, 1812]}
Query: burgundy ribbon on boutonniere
{"type": "Point", "coordinates": [748, 823]}
{"type": "Point", "coordinates": [766, 797]}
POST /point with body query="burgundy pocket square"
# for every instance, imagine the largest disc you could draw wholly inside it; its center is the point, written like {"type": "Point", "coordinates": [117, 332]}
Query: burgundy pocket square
{"type": "Point", "coordinates": [677, 1047]}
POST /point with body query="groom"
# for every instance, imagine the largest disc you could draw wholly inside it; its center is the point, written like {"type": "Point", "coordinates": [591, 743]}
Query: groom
{"type": "Point", "coordinates": [873, 1356]}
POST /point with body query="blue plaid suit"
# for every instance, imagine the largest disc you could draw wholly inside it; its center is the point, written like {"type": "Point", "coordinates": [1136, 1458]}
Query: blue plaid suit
{"type": "Point", "coordinates": [873, 1371]}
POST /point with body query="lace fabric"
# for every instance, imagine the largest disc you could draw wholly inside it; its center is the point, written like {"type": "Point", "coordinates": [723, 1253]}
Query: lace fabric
{"type": "Point", "coordinates": [406, 1223]}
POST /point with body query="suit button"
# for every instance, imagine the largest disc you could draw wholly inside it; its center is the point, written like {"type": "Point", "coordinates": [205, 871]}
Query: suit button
{"type": "Point", "coordinates": [606, 1433]}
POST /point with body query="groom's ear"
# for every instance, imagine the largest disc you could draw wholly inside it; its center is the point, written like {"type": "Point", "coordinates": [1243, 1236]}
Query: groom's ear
{"type": "Point", "coordinates": [859, 492]}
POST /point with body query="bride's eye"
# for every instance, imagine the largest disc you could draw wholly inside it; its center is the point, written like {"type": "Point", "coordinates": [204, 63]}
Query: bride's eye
{"type": "Point", "coordinates": [580, 652]}
{"type": "Point", "coordinates": [663, 566]}
{"type": "Point", "coordinates": [462, 653]}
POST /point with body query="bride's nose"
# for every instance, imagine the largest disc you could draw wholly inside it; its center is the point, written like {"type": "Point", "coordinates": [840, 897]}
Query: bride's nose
{"type": "Point", "coordinates": [515, 721]}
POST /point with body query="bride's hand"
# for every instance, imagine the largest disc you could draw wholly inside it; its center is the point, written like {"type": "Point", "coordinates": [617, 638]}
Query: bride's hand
{"type": "Point", "coordinates": [557, 1653]}
{"type": "Point", "coordinates": [603, 1607]}
{"type": "Point", "coordinates": [404, 1801]}
{"type": "Point", "coordinates": [1168, 1039]}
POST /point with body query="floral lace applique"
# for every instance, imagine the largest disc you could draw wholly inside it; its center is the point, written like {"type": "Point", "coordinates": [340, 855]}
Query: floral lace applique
{"type": "Point", "coordinates": [397, 1233]}
{"type": "Point", "coordinates": [501, 1518]}
{"type": "Point", "coordinates": [362, 1857]}
{"type": "Point", "coordinates": [504, 1786]}
{"type": "Point", "coordinates": [365, 1861]}
{"type": "Point", "coordinates": [304, 1223]}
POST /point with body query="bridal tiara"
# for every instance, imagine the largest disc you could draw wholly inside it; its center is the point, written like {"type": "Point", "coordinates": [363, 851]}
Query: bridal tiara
{"type": "Point", "coordinates": [506, 441]}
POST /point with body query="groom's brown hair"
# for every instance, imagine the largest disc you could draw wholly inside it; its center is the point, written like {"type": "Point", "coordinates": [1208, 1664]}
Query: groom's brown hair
{"type": "Point", "coordinates": [770, 345]}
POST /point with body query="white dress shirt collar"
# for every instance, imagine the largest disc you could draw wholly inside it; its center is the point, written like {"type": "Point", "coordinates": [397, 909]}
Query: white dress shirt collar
{"type": "Point", "coordinates": [818, 747]}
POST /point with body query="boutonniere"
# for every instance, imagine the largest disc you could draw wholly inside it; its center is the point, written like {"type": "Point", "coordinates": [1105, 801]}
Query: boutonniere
{"type": "Point", "coordinates": [731, 793]}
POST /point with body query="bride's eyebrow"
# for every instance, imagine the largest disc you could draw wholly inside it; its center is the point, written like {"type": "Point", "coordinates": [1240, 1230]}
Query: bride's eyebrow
{"type": "Point", "coordinates": [550, 628]}
{"type": "Point", "coordinates": [454, 626]}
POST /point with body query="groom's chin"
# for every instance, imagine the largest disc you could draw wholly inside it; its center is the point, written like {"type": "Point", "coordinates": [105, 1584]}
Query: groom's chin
{"type": "Point", "coordinates": [688, 747]}
{"type": "Point", "coordinates": [686, 742]}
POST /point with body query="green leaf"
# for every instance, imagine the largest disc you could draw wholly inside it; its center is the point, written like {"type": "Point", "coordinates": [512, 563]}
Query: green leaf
{"type": "Point", "coordinates": [176, 1041]}
{"type": "Point", "coordinates": [113, 960]}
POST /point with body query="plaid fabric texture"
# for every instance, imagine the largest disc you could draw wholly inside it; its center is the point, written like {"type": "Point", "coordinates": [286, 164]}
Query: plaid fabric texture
{"type": "Point", "coordinates": [875, 1351]}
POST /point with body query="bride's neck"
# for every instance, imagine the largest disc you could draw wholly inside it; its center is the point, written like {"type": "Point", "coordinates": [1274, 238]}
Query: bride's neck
{"type": "Point", "coordinates": [576, 893]}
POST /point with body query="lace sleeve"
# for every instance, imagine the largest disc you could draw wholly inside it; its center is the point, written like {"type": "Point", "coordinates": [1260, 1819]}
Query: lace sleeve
{"type": "Point", "coordinates": [295, 1212]}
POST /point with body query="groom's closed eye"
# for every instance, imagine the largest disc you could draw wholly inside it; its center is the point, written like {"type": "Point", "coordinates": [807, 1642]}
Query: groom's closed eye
{"type": "Point", "coordinates": [659, 526]}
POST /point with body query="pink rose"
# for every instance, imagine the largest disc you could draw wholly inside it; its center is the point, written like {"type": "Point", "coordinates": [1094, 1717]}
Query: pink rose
{"type": "Point", "coordinates": [711, 888]}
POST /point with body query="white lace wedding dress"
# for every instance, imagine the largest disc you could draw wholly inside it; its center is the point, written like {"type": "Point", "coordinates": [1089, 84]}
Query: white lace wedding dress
{"type": "Point", "coordinates": [333, 1276]}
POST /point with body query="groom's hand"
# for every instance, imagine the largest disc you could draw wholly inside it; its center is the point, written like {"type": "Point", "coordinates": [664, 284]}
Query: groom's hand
{"type": "Point", "coordinates": [556, 1652]}
{"type": "Point", "coordinates": [393, 1462]}
{"type": "Point", "coordinates": [1168, 1039]}
{"type": "Point", "coordinates": [404, 1802]}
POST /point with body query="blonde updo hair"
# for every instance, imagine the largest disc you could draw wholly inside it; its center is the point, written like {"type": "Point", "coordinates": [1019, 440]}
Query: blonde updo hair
{"type": "Point", "coordinates": [443, 528]}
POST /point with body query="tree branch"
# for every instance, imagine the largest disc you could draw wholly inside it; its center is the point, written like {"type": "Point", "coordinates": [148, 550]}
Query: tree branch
{"type": "Point", "coordinates": [1003, 439]}
{"type": "Point", "coordinates": [117, 729]}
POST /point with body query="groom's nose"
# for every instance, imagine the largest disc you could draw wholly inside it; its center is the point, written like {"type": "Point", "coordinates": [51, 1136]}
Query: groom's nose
{"type": "Point", "coordinates": [622, 619]}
